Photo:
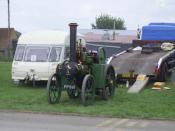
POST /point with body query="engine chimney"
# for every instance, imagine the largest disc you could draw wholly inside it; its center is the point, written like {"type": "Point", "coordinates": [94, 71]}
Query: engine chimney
{"type": "Point", "coordinates": [73, 32]}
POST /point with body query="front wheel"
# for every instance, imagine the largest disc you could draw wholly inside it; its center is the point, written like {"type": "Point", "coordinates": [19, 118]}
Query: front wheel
{"type": "Point", "coordinates": [53, 89]}
{"type": "Point", "coordinates": [88, 90]}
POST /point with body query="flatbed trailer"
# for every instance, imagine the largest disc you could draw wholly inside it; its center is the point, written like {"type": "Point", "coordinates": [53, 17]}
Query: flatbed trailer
{"type": "Point", "coordinates": [155, 64]}
{"type": "Point", "coordinates": [144, 42]}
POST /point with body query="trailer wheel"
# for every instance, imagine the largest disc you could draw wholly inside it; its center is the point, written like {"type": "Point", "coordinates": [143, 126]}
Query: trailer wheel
{"type": "Point", "coordinates": [73, 94]}
{"type": "Point", "coordinates": [109, 89]}
{"type": "Point", "coordinates": [87, 91]}
{"type": "Point", "coordinates": [163, 73]}
{"type": "Point", "coordinates": [53, 89]}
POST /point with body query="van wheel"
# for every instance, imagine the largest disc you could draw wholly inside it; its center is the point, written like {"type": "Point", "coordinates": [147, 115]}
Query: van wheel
{"type": "Point", "coordinates": [17, 82]}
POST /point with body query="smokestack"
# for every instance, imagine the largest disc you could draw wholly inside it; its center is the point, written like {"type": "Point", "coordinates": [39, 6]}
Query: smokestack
{"type": "Point", "coordinates": [73, 36]}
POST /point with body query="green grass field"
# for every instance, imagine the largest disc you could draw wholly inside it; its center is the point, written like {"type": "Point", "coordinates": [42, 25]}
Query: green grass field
{"type": "Point", "coordinates": [148, 104]}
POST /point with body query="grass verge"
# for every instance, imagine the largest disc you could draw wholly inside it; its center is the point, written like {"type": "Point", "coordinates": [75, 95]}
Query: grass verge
{"type": "Point", "coordinates": [147, 104]}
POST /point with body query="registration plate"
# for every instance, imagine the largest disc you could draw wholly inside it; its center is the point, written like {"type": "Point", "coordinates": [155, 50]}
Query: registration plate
{"type": "Point", "coordinates": [69, 86]}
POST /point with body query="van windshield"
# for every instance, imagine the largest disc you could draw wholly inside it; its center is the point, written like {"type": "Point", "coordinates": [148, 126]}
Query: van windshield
{"type": "Point", "coordinates": [19, 53]}
{"type": "Point", "coordinates": [36, 54]}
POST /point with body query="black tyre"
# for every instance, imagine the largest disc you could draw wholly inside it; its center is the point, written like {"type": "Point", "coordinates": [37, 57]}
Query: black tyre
{"type": "Point", "coordinates": [163, 73]}
{"type": "Point", "coordinates": [110, 83]}
{"type": "Point", "coordinates": [88, 90]}
{"type": "Point", "coordinates": [53, 89]}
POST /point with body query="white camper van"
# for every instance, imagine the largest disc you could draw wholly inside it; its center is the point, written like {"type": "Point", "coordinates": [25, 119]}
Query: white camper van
{"type": "Point", "coordinates": [38, 54]}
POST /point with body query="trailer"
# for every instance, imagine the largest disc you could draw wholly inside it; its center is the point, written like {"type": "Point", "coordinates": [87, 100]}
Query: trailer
{"type": "Point", "coordinates": [148, 59]}
{"type": "Point", "coordinates": [152, 57]}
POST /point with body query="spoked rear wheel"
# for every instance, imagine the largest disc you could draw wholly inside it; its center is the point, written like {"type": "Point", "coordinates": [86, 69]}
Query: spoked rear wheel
{"type": "Point", "coordinates": [109, 88]}
{"type": "Point", "coordinates": [87, 91]}
{"type": "Point", "coordinates": [53, 89]}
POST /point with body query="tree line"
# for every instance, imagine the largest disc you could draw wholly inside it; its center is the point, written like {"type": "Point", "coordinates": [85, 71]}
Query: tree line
{"type": "Point", "coordinates": [105, 21]}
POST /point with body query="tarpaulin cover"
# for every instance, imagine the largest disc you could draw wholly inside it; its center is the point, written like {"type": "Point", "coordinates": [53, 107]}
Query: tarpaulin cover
{"type": "Point", "coordinates": [158, 31]}
{"type": "Point", "coordinates": [170, 24]}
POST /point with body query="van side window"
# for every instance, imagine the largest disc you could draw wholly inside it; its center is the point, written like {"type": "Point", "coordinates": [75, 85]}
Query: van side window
{"type": "Point", "coordinates": [55, 54]}
{"type": "Point", "coordinates": [19, 53]}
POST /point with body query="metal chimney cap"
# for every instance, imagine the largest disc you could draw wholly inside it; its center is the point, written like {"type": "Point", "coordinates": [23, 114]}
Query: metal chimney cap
{"type": "Point", "coordinates": [73, 24]}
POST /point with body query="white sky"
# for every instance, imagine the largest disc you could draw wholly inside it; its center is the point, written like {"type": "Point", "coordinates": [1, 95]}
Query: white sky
{"type": "Point", "coordinates": [28, 15]}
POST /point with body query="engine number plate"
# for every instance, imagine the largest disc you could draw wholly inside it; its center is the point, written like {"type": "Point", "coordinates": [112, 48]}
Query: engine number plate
{"type": "Point", "coordinates": [69, 86]}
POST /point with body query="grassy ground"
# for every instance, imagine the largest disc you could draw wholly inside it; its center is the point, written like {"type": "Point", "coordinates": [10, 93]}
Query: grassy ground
{"type": "Point", "coordinates": [147, 104]}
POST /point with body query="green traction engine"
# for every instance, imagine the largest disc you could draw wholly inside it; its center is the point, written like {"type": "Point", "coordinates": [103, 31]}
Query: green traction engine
{"type": "Point", "coordinates": [84, 75]}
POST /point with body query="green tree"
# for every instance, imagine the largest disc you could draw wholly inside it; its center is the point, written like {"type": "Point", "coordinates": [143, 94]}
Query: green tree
{"type": "Point", "coordinates": [106, 21]}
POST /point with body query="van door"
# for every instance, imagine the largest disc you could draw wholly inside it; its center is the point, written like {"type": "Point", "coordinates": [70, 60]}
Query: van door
{"type": "Point", "coordinates": [56, 56]}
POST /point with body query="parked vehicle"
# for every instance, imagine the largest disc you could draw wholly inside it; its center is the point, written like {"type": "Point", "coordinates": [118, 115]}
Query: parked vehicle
{"type": "Point", "coordinates": [85, 74]}
{"type": "Point", "coordinates": [153, 57]}
{"type": "Point", "coordinates": [150, 60]}
{"type": "Point", "coordinates": [38, 53]}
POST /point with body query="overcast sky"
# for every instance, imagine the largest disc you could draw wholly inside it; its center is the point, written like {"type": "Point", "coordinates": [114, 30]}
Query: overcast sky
{"type": "Point", "coordinates": [28, 15]}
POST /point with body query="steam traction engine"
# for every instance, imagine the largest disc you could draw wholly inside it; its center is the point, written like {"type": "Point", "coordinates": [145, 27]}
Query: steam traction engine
{"type": "Point", "coordinates": [84, 75]}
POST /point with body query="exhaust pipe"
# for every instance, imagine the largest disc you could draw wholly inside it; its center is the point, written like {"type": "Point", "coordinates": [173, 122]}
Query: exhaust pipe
{"type": "Point", "coordinates": [73, 33]}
